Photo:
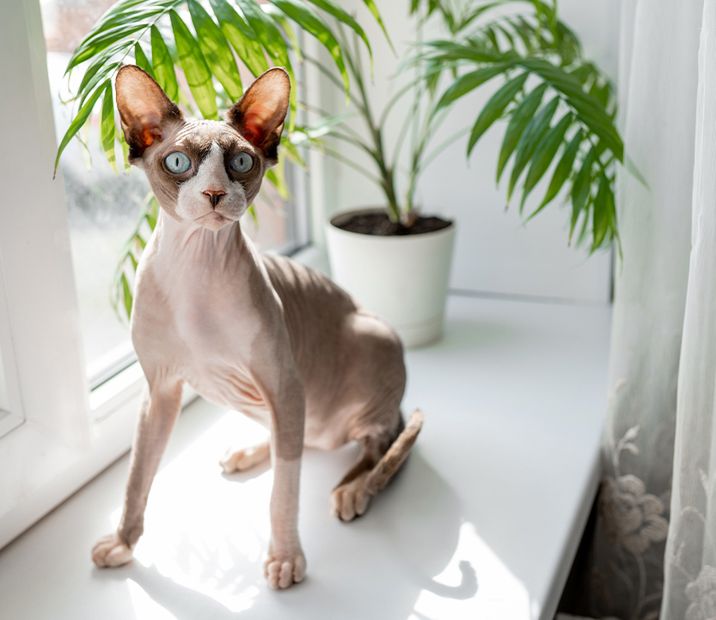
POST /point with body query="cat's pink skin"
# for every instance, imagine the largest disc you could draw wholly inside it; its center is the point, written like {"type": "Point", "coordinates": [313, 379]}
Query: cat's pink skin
{"type": "Point", "coordinates": [259, 334]}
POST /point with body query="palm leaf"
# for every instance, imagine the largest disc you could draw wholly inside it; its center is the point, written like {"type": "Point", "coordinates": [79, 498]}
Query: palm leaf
{"type": "Point", "coordinates": [529, 142]}
{"type": "Point", "coordinates": [107, 128]}
{"type": "Point", "coordinates": [241, 36]}
{"type": "Point", "coordinates": [561, 172]}
{"type": "Point", "coordinates": [289, 32]}
{"type": "Point", "coordinates": [216, 51]}
{"type": "Point", "coordinates": [521, 116]}
{"type": "Point", "coordinates": [312, 24]}
{"type": "Point", "coordinates": [581, 190]}
{"type": "Point", "coordinates": [78, 121]}
{"type": "Point", "coordinates": [345, 18]}
{"type": "Point", "coordinates": [494, 108]}
{"type": "Point", "coordinates": [122, 289]}
{"type": "Point", "coordinates": [590, 111]}
{"type": "Point", "coordinates": [198, 75]}
{"type": "Point", "coordinates": [266, 31]}
{"type": "Point", "coordinates": [603, 214]}
{"type": "Point", "coordinates": [141, 60]}
{"type": "Point", "coordinates": [163, 65]}
{"type": "Point", "coordinates": [544, 154]}
{"type": "Point", "coordinates": [370, 4]}
{"type": "Point", "coordinates": [467, 83]}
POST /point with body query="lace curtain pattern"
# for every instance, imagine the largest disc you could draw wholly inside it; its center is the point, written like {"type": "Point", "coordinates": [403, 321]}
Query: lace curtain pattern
{"type": "Point", "coordinates": [653, 551]}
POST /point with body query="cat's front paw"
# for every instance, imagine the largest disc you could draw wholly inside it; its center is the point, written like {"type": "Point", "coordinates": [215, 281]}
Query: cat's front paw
{"type": "Point", "coordinates": [111, 551]}
{"type": "Point", "coordinates": [284, 569]}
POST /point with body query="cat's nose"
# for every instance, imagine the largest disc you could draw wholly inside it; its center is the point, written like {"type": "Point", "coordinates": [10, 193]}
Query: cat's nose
{"type": "Point", "coordinates": [214, 195]}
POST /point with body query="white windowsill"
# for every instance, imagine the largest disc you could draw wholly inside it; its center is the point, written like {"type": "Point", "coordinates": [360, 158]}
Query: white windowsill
{"type": "Point", "coordinates": [483, 522]}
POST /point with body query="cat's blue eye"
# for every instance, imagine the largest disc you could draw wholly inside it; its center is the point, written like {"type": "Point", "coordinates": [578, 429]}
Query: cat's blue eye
{"type": "Point", "coordinates": [243, 162]}
{"type": "Point", "coordinates": [177, 162]}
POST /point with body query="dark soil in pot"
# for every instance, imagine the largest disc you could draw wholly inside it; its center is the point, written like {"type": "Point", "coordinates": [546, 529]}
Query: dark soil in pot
{"type": "Point", "coordinates": [378, 223]}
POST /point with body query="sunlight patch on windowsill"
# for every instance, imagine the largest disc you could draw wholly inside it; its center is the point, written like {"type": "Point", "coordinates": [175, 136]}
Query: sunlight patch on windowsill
{"type": "Point", "coordinates": [205, 533]}
{"type": "Point", "coordinates": [455, 591]}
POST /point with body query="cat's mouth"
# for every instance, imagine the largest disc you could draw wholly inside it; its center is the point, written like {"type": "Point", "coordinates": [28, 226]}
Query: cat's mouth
{"type": "Point", "coordinates": [213, 220]}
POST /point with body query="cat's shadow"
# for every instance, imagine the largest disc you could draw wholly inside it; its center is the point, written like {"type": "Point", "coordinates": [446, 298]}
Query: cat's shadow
{"type": "Point", "coordinates": [412, 529]}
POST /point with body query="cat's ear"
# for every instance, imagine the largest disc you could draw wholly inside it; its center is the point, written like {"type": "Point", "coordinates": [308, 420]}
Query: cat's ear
{"type": "Point", "coordinates": [260, 114]}
{"type": "Point", "coordinates": [143, 107]}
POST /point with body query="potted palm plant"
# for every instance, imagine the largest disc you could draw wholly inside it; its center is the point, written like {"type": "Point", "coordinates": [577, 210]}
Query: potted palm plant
{"type": "Point", "coordinates": [558, 110]}
{"type": "Point", "coordinates": [392, 258]}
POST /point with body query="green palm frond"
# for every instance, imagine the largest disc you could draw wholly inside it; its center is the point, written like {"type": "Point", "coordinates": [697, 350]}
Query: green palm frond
{"type": "Point", "coordinates": [558, 108]}
{"type": "Point", "coordinates": [203, 45]}
{"type": "Point", "coordinates": [122, 294]}
{"type": "Point", "coordinates": [554, 121]}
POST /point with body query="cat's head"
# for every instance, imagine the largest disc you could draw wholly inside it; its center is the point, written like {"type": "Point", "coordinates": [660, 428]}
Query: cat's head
{"type": "Point", "coordinates": [206, 172]}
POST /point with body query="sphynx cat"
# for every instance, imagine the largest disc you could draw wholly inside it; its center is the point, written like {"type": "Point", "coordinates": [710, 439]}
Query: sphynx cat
{"type": "Point", "coordinates": [259, 334]}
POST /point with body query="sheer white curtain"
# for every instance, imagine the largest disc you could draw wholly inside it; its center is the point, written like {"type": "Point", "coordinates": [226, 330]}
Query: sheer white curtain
{"type": "Point", "coordinates": [653, 551]}
{"type": "Point", "coordinates": [690, 562]}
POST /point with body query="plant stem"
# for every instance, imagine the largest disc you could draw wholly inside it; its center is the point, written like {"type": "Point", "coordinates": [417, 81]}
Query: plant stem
{"type": "Point", "coordinates": [432, 120]}
{"type": "Point", "coordinates": [333, 79]}
{"type": "Point", "coordinates": [386, 173]}
{"type": "Point", "coordinates": [348, 139]}
{"type": "Point", "coordinates": [351, 164]}
{"type": "Point", "coordinates": [446, 143]}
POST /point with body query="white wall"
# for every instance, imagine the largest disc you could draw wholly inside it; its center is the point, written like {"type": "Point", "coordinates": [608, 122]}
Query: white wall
{"type": "Point", "coordinates": [495, 252]}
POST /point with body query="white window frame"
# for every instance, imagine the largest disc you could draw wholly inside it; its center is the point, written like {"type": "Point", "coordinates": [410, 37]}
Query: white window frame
{"type": "Point", "coordinates": [55, 433]}
{"type": "Point", "coordinates": [11, 411]}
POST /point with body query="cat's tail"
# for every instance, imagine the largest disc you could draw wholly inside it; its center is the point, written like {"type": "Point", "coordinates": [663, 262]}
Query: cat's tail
{"type": "Point", "coordinates": [395, 456]}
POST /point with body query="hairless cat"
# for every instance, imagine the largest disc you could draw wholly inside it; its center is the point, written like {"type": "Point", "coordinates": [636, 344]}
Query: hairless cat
{"type": "Point", "coordinates": [257, 333]}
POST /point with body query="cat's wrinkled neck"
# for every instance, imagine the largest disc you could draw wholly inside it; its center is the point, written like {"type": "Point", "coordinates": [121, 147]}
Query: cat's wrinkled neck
{"type": "Point", "coordinates": [190, 239]}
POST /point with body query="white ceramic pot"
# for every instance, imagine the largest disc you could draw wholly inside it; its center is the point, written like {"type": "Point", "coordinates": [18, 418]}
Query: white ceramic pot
{"type": "Point", "coordinates": [403, 278]}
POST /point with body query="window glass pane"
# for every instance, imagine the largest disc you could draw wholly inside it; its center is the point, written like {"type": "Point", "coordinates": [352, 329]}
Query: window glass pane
{"type": "Point", "coordinates": [104, 204]}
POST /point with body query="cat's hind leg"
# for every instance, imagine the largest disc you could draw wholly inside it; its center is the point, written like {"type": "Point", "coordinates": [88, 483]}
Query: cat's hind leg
{"type": "Point", "coordinates": [382, 457]}
{"type": "Point", "coordinates": [245, 458]}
